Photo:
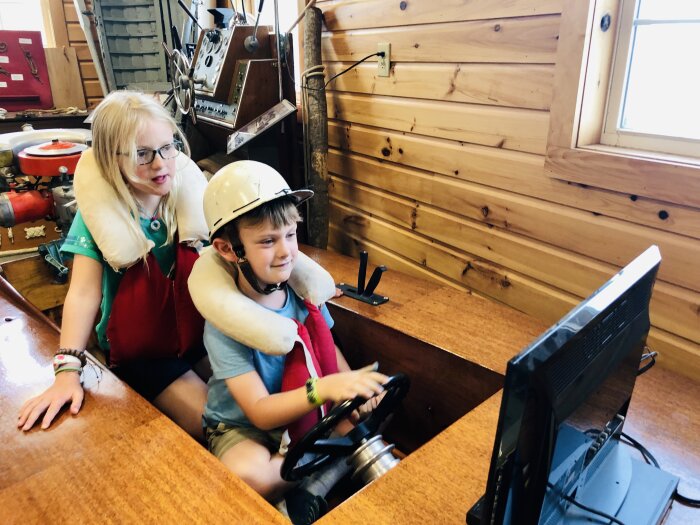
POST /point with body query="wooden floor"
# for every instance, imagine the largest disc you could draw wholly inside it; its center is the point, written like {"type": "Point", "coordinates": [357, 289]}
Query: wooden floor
{"type": "Point", "coordinates": [120, 460]}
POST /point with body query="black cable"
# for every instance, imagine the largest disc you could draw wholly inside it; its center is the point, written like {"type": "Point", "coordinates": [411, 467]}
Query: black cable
{"type": "Point", "coordinates": [380, 54]}
{"type": "Point", "coordinates": [289, 73]}
{"type": "Point", "coordinates": [684, 500]}
{"type": "Point", "coordinates": [603, 515]}
{"type": "Point", "coordinates": [649, 458]}
{"type": "Point", "coordinates": [649, 355]}
{"type": "Point", "coordinates": [287, 65]}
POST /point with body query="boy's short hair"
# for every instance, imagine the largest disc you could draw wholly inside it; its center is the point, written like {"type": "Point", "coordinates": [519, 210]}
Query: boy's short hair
{"type": "Point", "coordinates": [280, 212]}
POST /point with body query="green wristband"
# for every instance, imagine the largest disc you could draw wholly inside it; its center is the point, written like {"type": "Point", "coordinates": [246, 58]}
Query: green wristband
{"type": "Point", "coordinates": [67, 369]}
{"type": "Point", "coordinates": [311, 392]}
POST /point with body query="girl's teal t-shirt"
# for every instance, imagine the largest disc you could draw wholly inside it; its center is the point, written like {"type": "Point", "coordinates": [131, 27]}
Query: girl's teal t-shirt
{"type": "Point", "coordinates": [80, 241]}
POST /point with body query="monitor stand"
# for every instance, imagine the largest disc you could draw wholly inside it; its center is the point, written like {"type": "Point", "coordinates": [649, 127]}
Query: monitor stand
{"type": "Point", "coordinates": [624, 487]}
{"type": "Point", "coordinates": [629, 489]}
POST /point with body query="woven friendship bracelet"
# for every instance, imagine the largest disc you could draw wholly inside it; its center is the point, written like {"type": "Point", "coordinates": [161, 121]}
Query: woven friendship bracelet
{"type": "Point", "coordinates": [80, 354]}
{"type": "Point", "coordinates": [68, 369]}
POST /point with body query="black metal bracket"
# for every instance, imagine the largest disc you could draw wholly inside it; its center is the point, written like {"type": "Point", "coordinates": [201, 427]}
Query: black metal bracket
{"type": "Point", "coordinates": [365, 293]}
{"type": "Point", "coordinates": [52, 255]}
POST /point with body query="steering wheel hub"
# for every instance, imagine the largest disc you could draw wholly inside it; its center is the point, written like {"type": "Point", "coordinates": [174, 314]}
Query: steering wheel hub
{"type": "Point", "coordinates": [372, 460]}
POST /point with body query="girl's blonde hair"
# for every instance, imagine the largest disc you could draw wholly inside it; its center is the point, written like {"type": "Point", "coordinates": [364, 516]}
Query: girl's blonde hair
{"type": "Point", "coordinates": [117, 122]}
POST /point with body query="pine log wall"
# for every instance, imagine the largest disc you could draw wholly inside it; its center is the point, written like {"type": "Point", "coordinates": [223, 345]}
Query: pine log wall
{"type": "Point", "coordinates": [439, 169]}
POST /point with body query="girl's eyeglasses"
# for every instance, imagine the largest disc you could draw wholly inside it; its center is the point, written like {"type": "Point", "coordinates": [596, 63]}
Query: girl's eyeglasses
{"type": "Point", "coordinates": [146, 156]}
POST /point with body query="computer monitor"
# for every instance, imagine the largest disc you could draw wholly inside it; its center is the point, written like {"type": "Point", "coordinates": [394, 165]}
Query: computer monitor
{"type": "Point", "coordinates": [564, 404]}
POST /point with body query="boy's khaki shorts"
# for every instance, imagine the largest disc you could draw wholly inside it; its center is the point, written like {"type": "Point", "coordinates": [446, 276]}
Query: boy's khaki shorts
{"type": "Point", "coordinates": [222, 437]}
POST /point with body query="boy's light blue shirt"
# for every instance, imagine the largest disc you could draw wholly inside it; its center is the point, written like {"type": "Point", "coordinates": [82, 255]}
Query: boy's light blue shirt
{"type": "Point", "coordinates": [229, 358]}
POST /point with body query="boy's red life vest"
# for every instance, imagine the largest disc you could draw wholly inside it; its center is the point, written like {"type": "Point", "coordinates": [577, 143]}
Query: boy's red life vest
{"type": "Point", "coordinates": [152, 315]}
{"type": "Point", "coordinates": [319, 341]}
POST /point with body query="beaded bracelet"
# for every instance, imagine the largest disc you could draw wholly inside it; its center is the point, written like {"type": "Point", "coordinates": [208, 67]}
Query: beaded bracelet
{"type": "Point", "coordinates": [80, 354]}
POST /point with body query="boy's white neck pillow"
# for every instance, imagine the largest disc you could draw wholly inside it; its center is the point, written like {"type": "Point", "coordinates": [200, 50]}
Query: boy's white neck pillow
{"type": "Point", "coordinates": [216, 296]}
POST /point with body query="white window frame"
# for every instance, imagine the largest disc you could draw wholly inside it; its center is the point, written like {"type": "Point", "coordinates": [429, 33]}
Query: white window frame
{"type": "Point", "coordinates": [611, 134]}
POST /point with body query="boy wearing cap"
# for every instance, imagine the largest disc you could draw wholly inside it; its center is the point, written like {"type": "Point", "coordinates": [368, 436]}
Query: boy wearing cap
{"type": "Point", "coordinates": [256, 390]}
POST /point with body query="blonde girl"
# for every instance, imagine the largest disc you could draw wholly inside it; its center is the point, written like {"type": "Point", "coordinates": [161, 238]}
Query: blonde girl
{"type": "Point", "coordinates": [133, 243]}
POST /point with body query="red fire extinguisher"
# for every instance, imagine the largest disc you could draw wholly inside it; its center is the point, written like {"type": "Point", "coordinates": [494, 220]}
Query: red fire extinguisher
{"type": "Point", "coordinates": [26, 206]}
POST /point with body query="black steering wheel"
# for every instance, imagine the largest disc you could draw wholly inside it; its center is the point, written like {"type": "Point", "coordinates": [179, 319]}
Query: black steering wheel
{"type": "Point", "coordinates": [316, 440]}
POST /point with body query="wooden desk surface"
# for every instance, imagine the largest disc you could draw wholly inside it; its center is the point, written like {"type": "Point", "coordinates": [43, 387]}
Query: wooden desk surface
{"type": "Point", "coordinates": [118, 460]}
{"type": "Point", "coordinates": [132, 464]}
{"type": "Point", "coordinates": [440, 481]}
{"type": "Point", "coordinates": [476, 329]}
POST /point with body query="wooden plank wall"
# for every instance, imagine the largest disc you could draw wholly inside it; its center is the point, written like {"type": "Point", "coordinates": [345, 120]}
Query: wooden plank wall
{"type": "Point", "coordinates": [67, 30]}
{"type": "Point", "coordinates": [438, 170]}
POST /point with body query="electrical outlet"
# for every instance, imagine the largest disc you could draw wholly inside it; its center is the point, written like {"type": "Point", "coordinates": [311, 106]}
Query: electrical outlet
{"type": "Point", "coordinates": [384, 63]}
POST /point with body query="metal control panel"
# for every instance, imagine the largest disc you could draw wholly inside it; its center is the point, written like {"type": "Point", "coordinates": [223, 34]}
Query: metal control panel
{"type": "Point", "coordinates": [253, 90]}
{"type": "Point", "coordinates": [210, 59]}
{"type": "Point", "coordinates": [211, 110]}
{"type": "Point", "coordinates": [216, 57]}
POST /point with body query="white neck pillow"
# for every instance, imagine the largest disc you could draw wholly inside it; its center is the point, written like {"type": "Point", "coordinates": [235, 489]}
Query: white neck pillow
{"type": "Point", "coordinates": [215, 294]}
{"type": "Point", "coordinates": [107, 219]}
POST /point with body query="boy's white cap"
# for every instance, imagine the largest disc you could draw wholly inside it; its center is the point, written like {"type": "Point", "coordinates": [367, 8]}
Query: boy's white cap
{"type": "Point", "coordinates": [242, 186]}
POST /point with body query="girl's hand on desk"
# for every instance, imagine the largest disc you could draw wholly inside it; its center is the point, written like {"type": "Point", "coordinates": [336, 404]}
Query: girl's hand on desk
{"type": "Point", "coordinates": [364, 382]}
{"type": "Point", "coordinates": [66, 388]}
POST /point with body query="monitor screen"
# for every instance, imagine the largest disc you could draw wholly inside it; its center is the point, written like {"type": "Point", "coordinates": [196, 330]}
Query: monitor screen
{"type": "Point", "coordinates": [564, 403]}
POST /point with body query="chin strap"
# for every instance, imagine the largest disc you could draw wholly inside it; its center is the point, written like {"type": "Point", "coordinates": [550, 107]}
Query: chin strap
{"type": "Point", "coordinates": [247, 271]}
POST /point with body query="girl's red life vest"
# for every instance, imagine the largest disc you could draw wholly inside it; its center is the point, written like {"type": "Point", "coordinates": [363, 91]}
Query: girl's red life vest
{"type": "Point", "coordinates": [153, 315]}
{"type": "Point", "coordinates": [319, 341]}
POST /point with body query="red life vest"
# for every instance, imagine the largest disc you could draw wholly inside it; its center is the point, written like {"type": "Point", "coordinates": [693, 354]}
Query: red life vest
{"type": "Point", "coordinates": [153, 315]}
{"type": "Point", "coordinates": [318, 340]}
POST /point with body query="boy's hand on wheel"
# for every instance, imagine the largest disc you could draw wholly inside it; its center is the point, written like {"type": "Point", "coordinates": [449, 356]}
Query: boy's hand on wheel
{"type": "Point", "coordinates": [364, 382]}
{"type": "Point", "coordinates": [366, 409]}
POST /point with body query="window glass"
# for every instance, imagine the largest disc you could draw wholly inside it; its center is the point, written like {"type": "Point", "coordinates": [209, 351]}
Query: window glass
{"type": "Point", "coordinates": [663, 88]}
{"type": "Point", "coordinates": [288, 13]}
{"type": "Point", "coordinates": [25, 15]}
{"type": "Point", "coordinates": [669, 9]}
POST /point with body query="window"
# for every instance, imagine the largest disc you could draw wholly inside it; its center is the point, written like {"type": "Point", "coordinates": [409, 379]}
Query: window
{"type": "Point", "coordinates": [287, 14]}
{"type": "Point", "coordinates": [22, 15]}
{"type": "Point", "coordinates": [654, 102]}
{"type": "Point", "coordinates": [574, 150]}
